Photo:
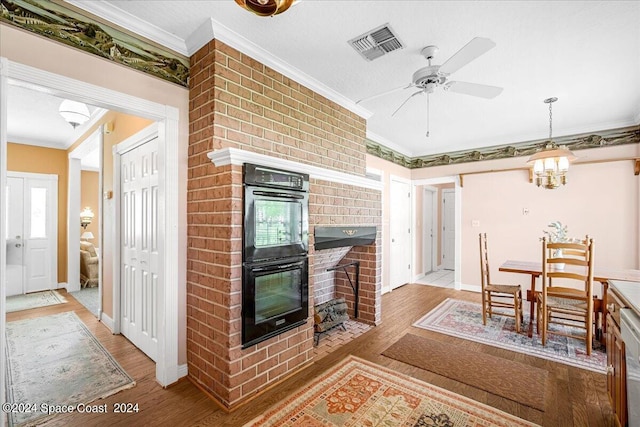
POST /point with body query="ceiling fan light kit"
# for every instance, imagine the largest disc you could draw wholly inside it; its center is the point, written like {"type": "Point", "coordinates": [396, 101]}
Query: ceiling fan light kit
{"type": "Point", "coordinates": [266, 7]}
{"type": "Point", "coordinates": [550, 165]}
{"type": "Point", "coordinates": [428, 79]}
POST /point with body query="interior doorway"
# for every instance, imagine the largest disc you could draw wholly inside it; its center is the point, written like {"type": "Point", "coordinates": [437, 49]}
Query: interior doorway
{"type": "Point", "coordinates": [430, 229]}
{"type": "Point", "coordinates": [448, 229]}
{"type": "Point", "coordinates": [400, 253]}
{"type": "Point", "coordinates": [167, 369]}
{"type": "Point", "coordinates": [440, 274]}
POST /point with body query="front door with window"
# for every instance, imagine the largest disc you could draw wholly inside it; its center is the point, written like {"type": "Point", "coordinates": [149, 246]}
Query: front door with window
{"type": "Point", "coordinates": [32, 204]}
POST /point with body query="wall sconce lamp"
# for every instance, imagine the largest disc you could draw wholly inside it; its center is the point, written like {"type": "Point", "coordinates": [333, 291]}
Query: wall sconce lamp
{"type": "Point", "coordinates": [86, 216]}
{"type": "Point", "coordinates": [75, 113]}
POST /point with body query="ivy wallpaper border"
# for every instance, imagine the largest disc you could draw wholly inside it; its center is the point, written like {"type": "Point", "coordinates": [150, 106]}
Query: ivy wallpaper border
{"type": "Point", "coordinates": [607, 138]}
{"type": "Point", "coordinates": [57, 22]}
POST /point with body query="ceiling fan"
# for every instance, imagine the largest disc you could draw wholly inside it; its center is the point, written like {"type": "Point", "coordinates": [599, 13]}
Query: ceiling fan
{"type": "Point", "coordinates": [428, 78]}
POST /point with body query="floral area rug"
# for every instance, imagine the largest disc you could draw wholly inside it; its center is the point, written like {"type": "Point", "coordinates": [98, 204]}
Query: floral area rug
{"type": "Point", "coordinates": [55, 360]}
{"type": "Point", "coordinates": [464, 320]}
{"type": "Point", "coordinates": [34, 300]}
{"type": "Point", "coordinates": [360, 393]}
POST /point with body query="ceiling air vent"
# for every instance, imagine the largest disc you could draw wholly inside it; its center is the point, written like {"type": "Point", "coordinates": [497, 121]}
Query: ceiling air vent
{"type": "Point", "coordinates": [377, 42]}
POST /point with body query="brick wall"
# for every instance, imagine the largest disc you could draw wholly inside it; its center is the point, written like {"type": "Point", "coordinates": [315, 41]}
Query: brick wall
{"type": "Point", "coordinates": [238, 102]}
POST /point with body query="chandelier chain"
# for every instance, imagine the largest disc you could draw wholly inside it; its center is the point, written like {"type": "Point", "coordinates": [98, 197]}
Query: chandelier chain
{"type": "Point", "coordinates": [550, 121]}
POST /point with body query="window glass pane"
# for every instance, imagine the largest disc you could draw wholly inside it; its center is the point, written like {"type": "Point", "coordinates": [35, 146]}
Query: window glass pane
{"type": "Point", "coordinates": [38, 213]}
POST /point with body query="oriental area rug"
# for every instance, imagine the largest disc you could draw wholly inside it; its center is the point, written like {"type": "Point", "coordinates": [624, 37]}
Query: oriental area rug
{"type": "Point", "coordinates": [56, 360]}
{"type": "Point", "coordinates": [359, 393]}
{"type": "Point", "coordinates": [463, 319]}
{"type": "Point", "coordinates": [34, 300]}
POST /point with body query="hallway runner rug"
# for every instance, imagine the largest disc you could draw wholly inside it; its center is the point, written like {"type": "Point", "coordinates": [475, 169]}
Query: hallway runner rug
{"type": "Point", "coordinates": [502, 377]}
{"type": "Point", "coordinates": [55, 360]}
{"type": "Point", "coordinates": [34, 300]}
{"type": "Point", "coordinates": [358, 393]}
{"type": "Point", "coordinates": [463, 319]}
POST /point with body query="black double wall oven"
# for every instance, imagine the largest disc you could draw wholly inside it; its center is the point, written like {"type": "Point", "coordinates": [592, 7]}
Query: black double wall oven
{"type": "Point", "coordinates": [275, 279]}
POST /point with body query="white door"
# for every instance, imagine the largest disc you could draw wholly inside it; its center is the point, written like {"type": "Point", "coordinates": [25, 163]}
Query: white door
{"type": "Point", "coordinates": [448, 229]}
{"type": "Point", "coordinates": [32, 229]}
{"type": "Point", "coordinates": [15, 234]}
{"type": "Point", "coordinates": [428, 230]}
{"type": "Point", "coordinates": [400, 231]}
{"type": "Point", "coordinates": [139, 251]}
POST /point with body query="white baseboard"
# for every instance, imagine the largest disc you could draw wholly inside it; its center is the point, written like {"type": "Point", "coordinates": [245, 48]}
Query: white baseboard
{"type": "Point", "coordinates": [183, 370]}
{"type": "Point", "coordinates": [418, 277]}
{"type": "Point", "coordinates": [108, 322]}
{"type": "Point", "coordinates": [62, 285]}
{"type": "Point", "coordinates": [472, 288]}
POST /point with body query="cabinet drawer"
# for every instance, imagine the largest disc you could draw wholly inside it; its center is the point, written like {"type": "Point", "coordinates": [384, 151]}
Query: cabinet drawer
{"type": "Point", "coordinates": [614, 304]}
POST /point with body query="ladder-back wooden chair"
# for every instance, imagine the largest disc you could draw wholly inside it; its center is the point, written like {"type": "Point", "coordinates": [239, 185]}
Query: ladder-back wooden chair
{"type": "Point", "coordinates": [506, 298]}
{"type": "Point", "coordinates": [567, 289]}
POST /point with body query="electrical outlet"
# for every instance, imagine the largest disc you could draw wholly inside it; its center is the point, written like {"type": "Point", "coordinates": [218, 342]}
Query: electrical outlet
{"type": "Point", "coordinates": [475, 223]}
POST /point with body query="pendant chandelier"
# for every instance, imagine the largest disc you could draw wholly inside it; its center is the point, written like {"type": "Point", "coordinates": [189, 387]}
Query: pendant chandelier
{"type": "Point", "coordinates": [266, 7]}
{"type": "Point", "coordinates": [550, 165]}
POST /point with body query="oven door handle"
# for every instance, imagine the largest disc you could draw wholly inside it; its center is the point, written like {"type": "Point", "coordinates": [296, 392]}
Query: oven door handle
{"type": "Point", "coordinates": [274, 194]}
{"type": "Point", "coordinates": [279, 267]}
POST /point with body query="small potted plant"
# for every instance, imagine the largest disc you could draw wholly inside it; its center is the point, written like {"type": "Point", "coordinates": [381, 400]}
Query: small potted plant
{"type": "Point", "coordinates": [557, 234]}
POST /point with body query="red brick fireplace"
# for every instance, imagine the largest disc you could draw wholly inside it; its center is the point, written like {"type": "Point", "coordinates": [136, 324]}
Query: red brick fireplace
{"type": "Point", "coordinates": [238, 103]}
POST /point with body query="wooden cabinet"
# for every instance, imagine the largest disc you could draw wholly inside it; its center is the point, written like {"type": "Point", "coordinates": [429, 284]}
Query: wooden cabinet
{"type": "Point", "coordinates": [616, 364]}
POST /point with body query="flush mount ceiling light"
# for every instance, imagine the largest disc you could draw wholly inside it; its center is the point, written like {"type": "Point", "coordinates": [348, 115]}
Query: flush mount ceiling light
{"type": "Point", "coordinates": [75, 113]}
{"type": "Point", "coordinates": [550, 165]}
{"type": "Point", "coordinates": [266, 7]}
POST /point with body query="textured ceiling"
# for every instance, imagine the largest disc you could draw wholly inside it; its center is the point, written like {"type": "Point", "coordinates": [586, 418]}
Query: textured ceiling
{"type": "Point", "coordinates": [586, 53]}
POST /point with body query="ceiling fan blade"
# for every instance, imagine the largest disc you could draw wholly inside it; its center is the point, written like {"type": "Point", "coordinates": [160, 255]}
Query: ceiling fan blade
{"type": "Point", "coordinates": [474, 89]}
{"type": "Point", "coordinates": [384, 93]}
{"type": "Point", "coordinates": [468, 53]}
{"type": "Point", "coordinates": [407, 100]}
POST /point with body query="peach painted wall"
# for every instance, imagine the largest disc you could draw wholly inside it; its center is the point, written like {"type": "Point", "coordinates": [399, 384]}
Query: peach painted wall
{"type": "Point", "coordinates": [387, 168]}
{"type": "Point", "coordinates": [27, 158]}
{"type": "Point", "coordinates": [601, 199]}
{"type": "Point", "coordinates": [44, 54]}
{"type": "Point", "coordinates": [89, 196]}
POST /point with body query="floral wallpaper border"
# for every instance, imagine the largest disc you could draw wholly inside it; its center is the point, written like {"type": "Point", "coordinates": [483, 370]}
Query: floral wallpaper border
{"type": "Point", "coordinates": [63, 24]}
{"type": "Point", "coordinates": [608, 138]}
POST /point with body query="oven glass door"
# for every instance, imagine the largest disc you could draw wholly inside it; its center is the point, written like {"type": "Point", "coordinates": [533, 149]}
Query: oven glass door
{"type": "Point", "coordinates": [275, 298]}
{"type": "Point", "coordinates": [278, 293]}
{"type": "Point", "coordinates": [276, 224]}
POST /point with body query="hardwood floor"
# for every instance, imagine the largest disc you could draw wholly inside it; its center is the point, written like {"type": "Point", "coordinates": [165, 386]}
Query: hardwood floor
{"type": "Point", "coordinates": [574, 397]}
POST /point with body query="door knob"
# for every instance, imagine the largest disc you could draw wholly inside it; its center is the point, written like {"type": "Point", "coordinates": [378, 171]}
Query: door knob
{"type": "Point", "coordinates": [18, 245]}
{"type": "Point", "coordinates": [393, 240]}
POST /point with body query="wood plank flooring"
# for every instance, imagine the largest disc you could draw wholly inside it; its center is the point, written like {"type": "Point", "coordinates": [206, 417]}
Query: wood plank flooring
{"type": "Point", "coordinates": [574, 397]}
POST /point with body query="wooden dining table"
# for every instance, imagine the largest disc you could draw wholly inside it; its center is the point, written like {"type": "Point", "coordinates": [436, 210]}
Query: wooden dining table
{"type": "Point", "coordinates": [600, 274]}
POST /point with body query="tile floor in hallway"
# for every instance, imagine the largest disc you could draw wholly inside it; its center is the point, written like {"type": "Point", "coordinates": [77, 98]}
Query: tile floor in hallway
{"type": "Point", "coordinates": [337, 337]}
{"type": "Point", "coordinates": [441, 278]}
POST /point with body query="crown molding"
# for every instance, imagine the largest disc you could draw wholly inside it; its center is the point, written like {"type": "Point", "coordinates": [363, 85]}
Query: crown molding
{"type": "Point", "coordinates": [247, 47]}
{"type": "Point", "coordinates": [389, 144]}
{"type": "Point", "coordinates": [234, 156]}
{"type": "Point", "coordinates": [131, 23]}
